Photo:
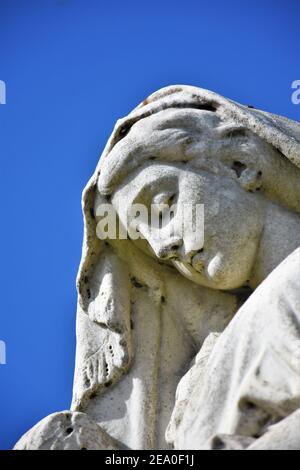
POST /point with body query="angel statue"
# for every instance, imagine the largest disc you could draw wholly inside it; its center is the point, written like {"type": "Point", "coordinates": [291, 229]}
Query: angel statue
{"type": "Point", "coordinates": [180, 344]}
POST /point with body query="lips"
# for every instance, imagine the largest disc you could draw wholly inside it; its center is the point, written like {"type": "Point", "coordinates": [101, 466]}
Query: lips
{"type": "Point", "coordinates": [184, 268]}
{"type": "Point", "coordinates": [187, 269]}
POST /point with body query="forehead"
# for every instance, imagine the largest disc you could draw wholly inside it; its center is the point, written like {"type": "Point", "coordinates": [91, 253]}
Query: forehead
{"type": "Point", "coordinates": [174, 135]}
{"type": "Point", "coordinates": [189, 118]}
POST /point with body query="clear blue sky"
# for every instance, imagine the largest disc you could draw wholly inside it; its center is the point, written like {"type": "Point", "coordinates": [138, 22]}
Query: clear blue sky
{"type": "Point", "coordinates": [72, 67]}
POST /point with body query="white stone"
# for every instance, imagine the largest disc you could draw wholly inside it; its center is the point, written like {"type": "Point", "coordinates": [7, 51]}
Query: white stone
{"type": "Point", "coordinates": [66, 431]}
{"type": "Point", "coordinates": [147, 307]}
{"type": "Point", "coordinates": [251, 378]}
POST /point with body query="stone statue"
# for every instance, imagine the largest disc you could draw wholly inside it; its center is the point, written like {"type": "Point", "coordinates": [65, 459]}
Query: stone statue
{"type": "Point", "coordinates": [218, 322]}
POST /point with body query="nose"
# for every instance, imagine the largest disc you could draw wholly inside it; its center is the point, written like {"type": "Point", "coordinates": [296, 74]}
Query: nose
{"type": "Point", "coordinates": [168, 249]}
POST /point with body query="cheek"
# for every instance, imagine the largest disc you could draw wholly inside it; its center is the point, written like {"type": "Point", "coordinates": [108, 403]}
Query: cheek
{"type": "Point", "coordinates": [232, 270]}
{"type": "Point", "coordinates": [231, 244]}
{"type": "Point", "coordinates": [232, 218]}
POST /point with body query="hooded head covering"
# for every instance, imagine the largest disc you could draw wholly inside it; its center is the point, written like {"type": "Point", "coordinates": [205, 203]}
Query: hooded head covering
{"type": "Point", "coordinates": [282, 133]}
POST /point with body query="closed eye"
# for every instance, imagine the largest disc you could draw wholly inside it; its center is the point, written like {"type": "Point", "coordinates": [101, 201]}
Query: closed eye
{"type": "Point", "coordinates": [161, 203]}
{"type": "Point", "coordinates": [165, 198]}
{"type": "Point", "coordinates": [232, 131]}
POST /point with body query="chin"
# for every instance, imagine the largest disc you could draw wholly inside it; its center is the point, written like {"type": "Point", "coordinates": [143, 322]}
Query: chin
{"type": "Point", "coordinates": [219, 280]}
{"type": "Point", "coordinates": [228, 273]}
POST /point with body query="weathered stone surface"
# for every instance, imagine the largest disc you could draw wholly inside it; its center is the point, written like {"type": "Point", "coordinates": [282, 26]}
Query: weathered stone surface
{"type": "Point", "coordinates": [66, 431]}
{"type": "Point", "coordinates": [147, 307]}
{"type": "Point", "coordinates": [251, 379]}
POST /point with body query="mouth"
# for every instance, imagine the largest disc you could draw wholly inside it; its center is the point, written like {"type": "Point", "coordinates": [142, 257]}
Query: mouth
{"type": "Point", "coordinates": [184, 268]}
{"type": "Point", "coordinates": [195, 267]}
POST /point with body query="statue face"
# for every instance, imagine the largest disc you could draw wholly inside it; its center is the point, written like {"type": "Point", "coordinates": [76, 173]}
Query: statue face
{"type": "Point", "coordinates": [232, 226]}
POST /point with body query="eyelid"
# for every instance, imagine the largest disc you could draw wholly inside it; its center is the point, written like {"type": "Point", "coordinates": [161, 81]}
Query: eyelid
{"type": "Point", "coordinates": [163, 198]}
{"type": "Point", "coordinates": [232, 130]}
